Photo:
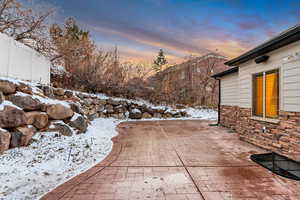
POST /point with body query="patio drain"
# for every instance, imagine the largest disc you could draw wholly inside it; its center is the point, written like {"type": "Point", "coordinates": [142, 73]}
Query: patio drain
{"type": "Point", "coordinates": [278, 164]}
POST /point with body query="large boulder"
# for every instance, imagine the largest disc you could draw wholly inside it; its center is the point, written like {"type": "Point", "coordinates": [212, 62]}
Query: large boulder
{"type": "Point", "coordinates": [37, 119]}
{"type": "Point", "coordinates": [113, 102]}
{"type": "Point", "coordinates": [100, 108]}
{"type": "Point", "coordinates": [62, 129]}
{"type": "Point", "coordinates": [48, 91]}
{"type": "Point", "coordinates": [76, 108]}
{"type": "Point", "coordinates": [157, 115]}
{"type": "Point", "coordinates": [15, 140]}
{"type": "Point", "coordinates": [69, 94]}
{"type": "Point", "coordinates": [167, 115]}
{"type": "Point", "coordinates": [26, 134]}
{"type": "Point", "coordinates": [88, 102]}
{"type": "Point", "coordinates": [146, 115]}
{"type": "Point", "coordinates": [59, 111]}
{"type": "Point", "coordinates": [119, 116]}
{"type": "Point", "coordinates": [4, 140]}
{"type": "Point", "coordinates": [24, 88]}
{"type": "Point", "coordinates": [135, 114]}
{"type": "Point", "coordinates": [102, 102]}
{"type": "Point", "coordinates": [2, 98]}
{"type": "Point", "coordinates": [109, 109]}
{"type": "Point", "coordinates": [11, 117]}
{"type": "Point", "coordinates": [92, 111]}
{"type": "Point", "coordinates": [161, 110]}
{"type": "Point", "coordinates": [184, 114]}
{"type": "Point", "coordinates": [120, 109]}
{"type": "Point", "coordinates": [91, 117]}
{"type": "Point", "coordinates": [149, 110]}
{"type": "Point", "coordinates": [59, 91]}
{"type": "Point", "coordinates": [7, 87]}
{"type": "Point", "coordinates": [26, 102]}
{"type": "Point", "coordinates": [79, 122]}
{"type": "Point", "coordinates": [80, 95]}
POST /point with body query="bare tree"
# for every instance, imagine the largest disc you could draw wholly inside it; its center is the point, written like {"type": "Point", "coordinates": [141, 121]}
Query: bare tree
{"type": "Point", "coordinates": [26, 25]}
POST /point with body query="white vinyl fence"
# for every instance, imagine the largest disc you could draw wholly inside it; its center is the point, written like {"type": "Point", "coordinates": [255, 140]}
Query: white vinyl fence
{"type": "Point", "coordinates": [22, 62]}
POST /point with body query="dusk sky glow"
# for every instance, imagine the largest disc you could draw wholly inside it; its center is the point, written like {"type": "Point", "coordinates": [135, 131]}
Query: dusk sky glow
{"type": "Point", "coordinates": [139, 28]}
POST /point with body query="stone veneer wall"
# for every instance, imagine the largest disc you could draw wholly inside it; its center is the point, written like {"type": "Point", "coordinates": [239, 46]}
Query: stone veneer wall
{"type": "Point", "coordinates": [229, 116]}
{"type": "Point", "coordinates": [282, 137]}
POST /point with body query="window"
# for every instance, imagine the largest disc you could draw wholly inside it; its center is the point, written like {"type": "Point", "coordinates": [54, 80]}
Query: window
{"type": "Point", "coordinates": [266, 94]}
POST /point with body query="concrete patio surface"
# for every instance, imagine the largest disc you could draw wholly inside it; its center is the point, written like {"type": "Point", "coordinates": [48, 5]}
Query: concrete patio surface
{"type": "Point", "coordinates": [184, 160]}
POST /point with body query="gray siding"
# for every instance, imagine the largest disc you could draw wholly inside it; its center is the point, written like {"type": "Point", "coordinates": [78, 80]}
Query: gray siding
{"type": "Point", "coordinates": [291, 86]}
{"type": "Point", "coordinates": [288, 63]}
{"type": "Point", "coordinates": [229, 89]}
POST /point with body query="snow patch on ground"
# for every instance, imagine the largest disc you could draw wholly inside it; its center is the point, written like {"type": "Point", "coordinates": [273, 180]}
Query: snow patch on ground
{"type": "Point", "coordinates": [205, 114]}
{"type": "Point", "coordinates": [30, 172]}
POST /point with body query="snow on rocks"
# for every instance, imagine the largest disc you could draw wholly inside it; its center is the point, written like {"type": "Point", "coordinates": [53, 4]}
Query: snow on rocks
{"type": "Point", "coordinates": [58, 111]}
{"type": "Point", "coordinates": [36, 118]}
{"type": "Point", "coordinates": [30, 172]}
{"type": "Point", "coordinates": [23, 103]}
{"type": "Point", "coordinates": [4, 140]}
{"type": "Point", "coordinates": [11, 116]}
{"type": "Point", "coordinates": [78, 121]}
{"type": "Point", "coordinates": [8, 103]}
{"type": "Point", "coordinates": [26, 102]}
{"type": "Point", "coordinates": [7, 87]}
{"type": "Point", "coordinates": [2, 97]}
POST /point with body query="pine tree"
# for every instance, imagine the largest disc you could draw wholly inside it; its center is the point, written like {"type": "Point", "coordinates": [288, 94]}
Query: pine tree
{"type": "Point", "coordinates": [160, 61]}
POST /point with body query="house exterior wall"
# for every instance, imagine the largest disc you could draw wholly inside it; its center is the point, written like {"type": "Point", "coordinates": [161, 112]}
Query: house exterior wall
{"type": "Point", "coordinates": [283, 134]}
{"type": "Point", "coordinates": [288, 64]}
{"type": "Point", "coordinates": [282, 138]}
{"type": "Point", "coordinates": [229, 90]}
{"type": "Point", "coordinates": [229, 116]}
{"type": "Point", "coordinates": [291, 85]}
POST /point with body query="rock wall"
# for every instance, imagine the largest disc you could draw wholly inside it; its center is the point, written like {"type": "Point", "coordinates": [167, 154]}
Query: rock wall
{"type": "Point", "coordinates": [282, 136]}
{"type": "Point", "coordinates": [229, 115]}
{"type": "Point", "coordinates": [26, 109]}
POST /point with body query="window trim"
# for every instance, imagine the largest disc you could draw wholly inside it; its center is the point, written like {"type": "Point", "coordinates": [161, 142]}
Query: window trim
{"type": "Point", "coordinates": [264, 73]}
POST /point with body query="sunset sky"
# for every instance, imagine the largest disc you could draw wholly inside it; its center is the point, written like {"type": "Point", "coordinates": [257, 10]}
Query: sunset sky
{"type": "Point", "coordinates": [139, 28]}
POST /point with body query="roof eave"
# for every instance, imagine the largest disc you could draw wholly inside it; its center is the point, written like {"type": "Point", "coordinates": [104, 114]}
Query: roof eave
{"type": "Point", "coordinates": [226, 72]}
{"type": "Point", "coordinates": [273, 44]}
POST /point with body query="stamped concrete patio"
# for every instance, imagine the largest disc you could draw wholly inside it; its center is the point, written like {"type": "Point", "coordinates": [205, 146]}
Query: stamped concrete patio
{"type": "Point", "coordinates": [184, 160]}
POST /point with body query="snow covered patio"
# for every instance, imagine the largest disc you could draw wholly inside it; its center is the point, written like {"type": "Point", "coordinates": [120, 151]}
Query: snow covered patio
{"type": "Point", "coordinates": [185, 160]}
